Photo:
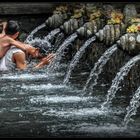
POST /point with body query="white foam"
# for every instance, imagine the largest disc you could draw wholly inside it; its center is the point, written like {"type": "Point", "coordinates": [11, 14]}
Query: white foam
{"type": "Point", "coordinates": [43, 86]}
{"type": "Point", "coordinates": [57, 99]}
{"type": "Point", "coordinates": [76, 113]}
{"type": "Point", "coordinates": [83, 112]}
{"type": "Point", "coordinates": [107, 128]}
{"type": "Point", "coordinates": [24, 76]}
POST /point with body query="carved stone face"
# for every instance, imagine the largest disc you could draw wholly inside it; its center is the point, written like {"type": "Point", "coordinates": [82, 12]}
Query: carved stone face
{"type": "Point", "coordinates": [129, 12]}
{"type": "Point", "coordinates": [108, 9]}
{"type": "Point", "coordinates": [61, 9]}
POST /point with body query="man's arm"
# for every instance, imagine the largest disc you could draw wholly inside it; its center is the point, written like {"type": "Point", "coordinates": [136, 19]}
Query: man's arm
{"type": "Point", "coordinates": [45, 61]}
{"type": "Point", "coordinates": [25, 47]}
{"type": "Point", "coordinates": [16, 43]}
{"type": "Point", "coordinates": [20, 60]}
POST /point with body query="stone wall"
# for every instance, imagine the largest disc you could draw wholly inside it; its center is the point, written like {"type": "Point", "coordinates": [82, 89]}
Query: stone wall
{"type": "Point", "coordinates": [15, 8]}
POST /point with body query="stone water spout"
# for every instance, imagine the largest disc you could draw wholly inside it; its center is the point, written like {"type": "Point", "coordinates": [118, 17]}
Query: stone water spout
{"type": "Point", "coordinates": [58, 18]}
{"type": "Point", "coordinates": [74, 23]}
{"type": "Point", "coordinates": [91, 14]}
{"type": "Point", "coordinates": [110, 33]}
{"type": "Point", "coordinates": [113, 30]}
{"type": "Point", "coordinates": [55, 21]}
{"type": "Point", "coordinates": [70, 26]}
{"type": "Point", "coordinates": [63, 13]}
{"type": "Point", "coordinates": [96, 21]}
{"type": "Point", "coordinates": [91, 27]}
{"type": "Point", "coordinates": [130, 41]}
{"type": "Point", "coordinates": [117, 24]}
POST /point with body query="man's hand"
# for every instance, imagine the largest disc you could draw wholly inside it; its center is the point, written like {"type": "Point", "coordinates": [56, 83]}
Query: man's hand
{"type": "Point", "coordinates": [46, 60]}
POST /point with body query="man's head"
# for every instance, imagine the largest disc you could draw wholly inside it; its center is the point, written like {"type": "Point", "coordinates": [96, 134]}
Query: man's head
{"type": "Point", "coordinates": [33, 52]}
{"type": "Point", "coordinates": [12, 29]}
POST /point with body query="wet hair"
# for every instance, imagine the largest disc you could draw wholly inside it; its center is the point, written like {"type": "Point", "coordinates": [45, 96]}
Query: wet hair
{"type": "Point", "coordinates": [1, 29]}
{"type": "Point", "coordinates": [43, 49]}
{"type": "Point", "coordinates": [12, 27]}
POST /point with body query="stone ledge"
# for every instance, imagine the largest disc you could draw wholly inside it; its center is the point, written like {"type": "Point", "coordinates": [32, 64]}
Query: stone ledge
{"type": "Point", "coordinates": [26, 8]}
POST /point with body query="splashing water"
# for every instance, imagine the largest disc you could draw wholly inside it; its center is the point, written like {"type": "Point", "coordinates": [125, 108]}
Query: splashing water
{"type": "Point", "coordinates": [55, 64]}
{"type": "Point", "coordinates": [132, 108]}
{"type": "Point", "coordinates": [77, 57]}
{"type": "Point", "coordinates": [98, 67]}
{"type": "Point", "coordinates": [44, 43]}
{"type": "Point", "coordinates": [52, 34]}
{"type": "Point", "coordinates": [119, 77]}
{"type": "Point", "coordinates": [58, 40]}
{"type": "Point", "coordinates": [40, 41]}
{"type": "Point", "coordinates": [30, 37]}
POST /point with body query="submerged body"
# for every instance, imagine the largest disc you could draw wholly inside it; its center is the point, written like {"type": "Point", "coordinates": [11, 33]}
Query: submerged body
{"type": "Point", "coordinates": [8, 62]}
{"type": "Point", "coordinates": [16, 58]}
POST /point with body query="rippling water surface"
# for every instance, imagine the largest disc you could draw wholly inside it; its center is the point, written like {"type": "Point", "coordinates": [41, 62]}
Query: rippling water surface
{"type": "Point", "coordinates": [37, 104]}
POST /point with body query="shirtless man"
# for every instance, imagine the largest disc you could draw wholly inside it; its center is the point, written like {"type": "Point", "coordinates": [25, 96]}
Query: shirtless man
{"type": "Point", "coordinates": [7, 38]}
{"type": "Point", "coordinates": [13, 57]}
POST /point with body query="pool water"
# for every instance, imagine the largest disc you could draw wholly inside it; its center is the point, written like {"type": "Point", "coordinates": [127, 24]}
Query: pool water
{"type": "Point", "coordinates": [37, 104]}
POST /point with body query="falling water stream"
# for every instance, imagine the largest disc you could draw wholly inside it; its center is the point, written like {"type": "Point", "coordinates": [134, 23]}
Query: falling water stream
{"type": "Point", "coordinates": [56, 62]}
{"type": "Point", "coordinates": [30, 37]}
{"type": "Point", "coordinates": [77, 57]}
{"type": "Point", "coordinates": [132, 108]}
{"type": "Point", "coordinates": [52, 34]}
{"type": "Point", "coordinates": [119, 77]}
{"type": "Point", "coordinates": [98, 67]}
{"type": "Point", "coordinates": [43, 43]}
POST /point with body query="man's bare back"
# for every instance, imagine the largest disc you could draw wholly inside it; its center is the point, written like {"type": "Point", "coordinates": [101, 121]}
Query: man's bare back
{"type": "Point", "coordinates": [6, 41]}
{"type": "Point", "coordinates": [4, 45]}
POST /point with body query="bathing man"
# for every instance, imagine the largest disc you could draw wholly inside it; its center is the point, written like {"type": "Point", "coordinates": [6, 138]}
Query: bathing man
{"type": "Point", "coordinates": [14, 53]}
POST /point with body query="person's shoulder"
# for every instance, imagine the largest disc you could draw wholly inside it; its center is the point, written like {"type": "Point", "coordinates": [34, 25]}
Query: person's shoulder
{"type": "Point", "coordinates": [19, 55]}
{"type": "Point", "coordinates": [2, 35]}
{"type": "Point", "coordinates": [5, 37]}
{"type": "Point", "coordinates": [15, 49]}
